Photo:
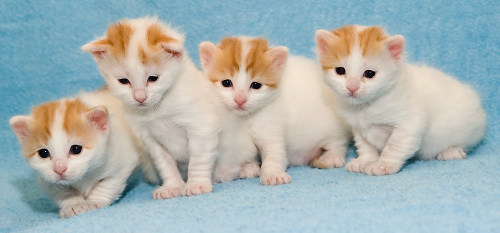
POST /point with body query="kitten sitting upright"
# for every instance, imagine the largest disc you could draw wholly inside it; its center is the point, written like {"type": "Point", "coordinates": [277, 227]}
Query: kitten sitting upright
{"type": "Point", "coordinates": [396, 109]}
{"type": "Point", "coordinates": [166, 99]}
{"type": "Point", "coordinates": [275, 104]}
{"type": "Point", "coordinates": [83, 157]}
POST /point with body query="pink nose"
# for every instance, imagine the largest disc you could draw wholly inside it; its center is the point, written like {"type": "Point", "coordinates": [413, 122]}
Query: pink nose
{"type": "Point", "coordinates": [240, 101]}
{"type": "Point", "coordinates": [140, 95]}
{"type": "Point", "coordinates": [60, 167]}
{"type": "Point", "coordinates": [352, 85]}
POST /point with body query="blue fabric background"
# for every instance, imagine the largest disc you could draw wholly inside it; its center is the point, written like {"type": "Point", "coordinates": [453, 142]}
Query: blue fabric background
{"type": "Point", "coordinates": [40, 60]}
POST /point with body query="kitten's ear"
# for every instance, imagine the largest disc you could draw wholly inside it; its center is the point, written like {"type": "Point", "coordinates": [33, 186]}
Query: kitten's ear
{"type": "Point", "coordinates": [20, 125]}
{"type": "Point", "coordinates": [278, 56]}
{"type": "Point", "coordinates": [207, 53]}
{"type": "Point", "coordinates": [322, 40]}
{"type": "Point", "coordinates": [396, 46]}
{"type": "Point", "coordinates": [97, 48]}
{"type": "Point", "coordinates": [99, 118]}
{"type": "Point", "coordinates": [173, 47]}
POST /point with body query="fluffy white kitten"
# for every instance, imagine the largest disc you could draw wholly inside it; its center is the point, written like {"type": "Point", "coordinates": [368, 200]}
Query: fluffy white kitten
{"type": "Point", "coordinates": [396, 109]}
{"type": "Point", "coordinates": [166, 99]}
{"type": "Point", "coordinates": [282, 108]}
{"type": "Point", "coordinates": [82, 156]}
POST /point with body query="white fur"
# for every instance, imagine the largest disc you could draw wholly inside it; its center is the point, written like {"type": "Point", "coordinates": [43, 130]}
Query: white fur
{"type": "Point", "coordinates": [290, 125]}
{"type": "Point", "coordinates": [403, 110]}
{"type": "Point", "coordinates": [96, 177]}
{"type": "Point", "coordinates": [177, 122]}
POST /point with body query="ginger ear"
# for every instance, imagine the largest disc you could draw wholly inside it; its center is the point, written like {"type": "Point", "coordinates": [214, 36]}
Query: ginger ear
{"type": "Point", "coordinates": [323, 37]}
{"type": "Point", "coordinates": [173, 47]}
{"type": "Point", "coordinates": [99, 118]}
{"type": "Point", "coordinates": [278, 56]}
{"type": "Point", "coordinates": [395, 45]}
{"type": "Point", "coordinates": [97, 48]}
{"type": "Point", "coordinates": [207, 50]}
{"type": "Point", "coordinates": [20, 125]}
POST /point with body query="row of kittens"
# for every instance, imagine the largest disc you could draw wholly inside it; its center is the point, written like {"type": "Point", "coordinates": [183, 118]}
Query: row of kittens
{"type": "Point", "coordinates": [159, 112]}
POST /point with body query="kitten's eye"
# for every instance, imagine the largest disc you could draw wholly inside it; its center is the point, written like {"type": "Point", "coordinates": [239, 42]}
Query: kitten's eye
{"type": "Point", "coordinates": [340, 70]}
{"type": "Point", "coordinates": [44, 153]}
{"type": "Point", "coordinates": [369, 73]}
{"type": "Point", "coordinates": [75, 149]}
{"type": "Point", "coordinates": [152, 78]}
{"type": "Point", "coordinates": [227, 83]}
{"type": "Point", "coordinates": [123, 81]}
{"type": "Point", "coordinates": [255, 85]}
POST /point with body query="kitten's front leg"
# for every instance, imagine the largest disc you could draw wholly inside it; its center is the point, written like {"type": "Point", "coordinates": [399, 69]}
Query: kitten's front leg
{"type": "Point", "coordinates": [173, 184]}
{"type": "Point", "coordinates": [203, 149]}
{"type": "Point", "coordinates": [70, 201]}
{"type": "Point", "coordinates": [367, 154]}
{"type": "Point", "coordinates": [274, 159]}
{"type": "Point", "coordinates": [402, 144]}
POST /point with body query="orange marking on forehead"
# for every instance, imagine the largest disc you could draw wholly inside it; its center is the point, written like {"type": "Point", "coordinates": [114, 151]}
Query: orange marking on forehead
{"type": "Point", "coordinates": [76, 123]}
{"type": "Point", "coordinates": [227, 62]}
{"type": "Point", "coordinates": [260, 65]}
{"type": "Point", "coordinates": [43, 119]}
{"type": "Point", "coordinates": [370, 40]}
{"type": "Point", "coordinates": [118, 38]}
{"type": "Point", "coordinates": [155, 36]}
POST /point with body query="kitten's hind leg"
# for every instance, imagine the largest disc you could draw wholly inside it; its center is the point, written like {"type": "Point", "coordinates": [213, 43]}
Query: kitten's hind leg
{"type": "Point", "coordinates": [250, 170]}
{"type": "Point", "coordinates": [452, 153]}
{"type": "Point", "coordinates": [329, 159]}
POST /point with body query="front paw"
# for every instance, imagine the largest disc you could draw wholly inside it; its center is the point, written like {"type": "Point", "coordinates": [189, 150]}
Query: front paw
{"type": "Point", "coordinates": [79, 208]}
{"type": "Point", "coordinates": [382, 168]}
{"type": "Point", "coordinates": [197, 188]}
{"type": "Point", "coordinates": [358, 165]}
{"type": "Point", "coordinates": [276, 178]}
{"type": "Point", "coordinates": [250, 170]}
{"type": "Point", "coordinates": [164, 192]}
{"type": "Point", "coordinates": [326, 161]}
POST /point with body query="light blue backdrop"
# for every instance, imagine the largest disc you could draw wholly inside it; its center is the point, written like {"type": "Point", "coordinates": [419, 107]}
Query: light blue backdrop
{"type": "Point", "coordinates": [40, 60]}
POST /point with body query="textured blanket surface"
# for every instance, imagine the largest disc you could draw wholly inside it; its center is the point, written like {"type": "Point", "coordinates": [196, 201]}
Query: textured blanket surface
{"type": "Point", "coordinates": [40, 60]}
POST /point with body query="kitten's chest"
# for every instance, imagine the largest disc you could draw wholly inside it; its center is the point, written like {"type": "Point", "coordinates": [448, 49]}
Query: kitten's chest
{"type": "Point", "coordinates": [371, 127]}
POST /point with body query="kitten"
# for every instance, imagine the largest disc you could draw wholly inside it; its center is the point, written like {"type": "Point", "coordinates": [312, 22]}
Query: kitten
{"type": "Point", "coordinates": [166, 99]}
{"type": "Point", "coordinates": [396, 109]}
{"type": "Point", "coordinates": [275, 104]}
{"type": "Point", "coordinates": [82, 156]}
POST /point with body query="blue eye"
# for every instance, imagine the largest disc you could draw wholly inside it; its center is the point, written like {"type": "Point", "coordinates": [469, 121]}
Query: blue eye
{"type": "Point", "coordinates": [75, 149]}
{"type": "Point", "coordinates": [255, 85]}
{"type": "Point", "coordinates": [369, 73]}
{"type": "Point", "coordinates": [227, 83]}
{"type": "Point", "coordinates": [44, 153]}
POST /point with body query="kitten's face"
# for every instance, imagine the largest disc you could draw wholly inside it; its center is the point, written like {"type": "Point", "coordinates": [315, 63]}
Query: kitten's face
{"type": "Point", "coordinates": [245, 71]}
{"type": "Point", "coordinates": [360, 63]}
{"type": "Point", "coordinates": [62, 140]}
{"type": "Point", "coordinates": [139, 59]}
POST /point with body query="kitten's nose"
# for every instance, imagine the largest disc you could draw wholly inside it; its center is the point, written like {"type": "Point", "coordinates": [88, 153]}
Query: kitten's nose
{"type": "Point", "coordinates": [352, 85]}
{"type": "Point", "coordinates": [140, 95]}
{"type": "Point", "coordinates": [240, 100]}
{"type": "Point", "coordinates": [60, 167]}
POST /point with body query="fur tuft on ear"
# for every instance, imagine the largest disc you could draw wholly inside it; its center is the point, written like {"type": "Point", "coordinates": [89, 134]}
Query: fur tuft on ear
{"type": "Point", "coordinates": [395, 45]}
{"type": "Point", "coordinates": [20, 125]}
{"type": "Point", "coordinates": [279, 56]}
{"type": "Point", "coordinates": [322, 38]}
{"type": "Point", "coordinates": [98, 117]}
{"type": "Point", "coordinates": [207, 50]}
{"type": "Point", "coordinates": [173, 48]}
{"type": "Point", "coordinates": [97, 48]}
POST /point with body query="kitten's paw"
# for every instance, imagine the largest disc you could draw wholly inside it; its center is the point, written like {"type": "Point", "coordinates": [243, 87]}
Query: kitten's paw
{"type": "Point", "coordinates": [452, 153]}
{"type": "Point", "coordinates": [164, 192]}
{"type": "Point", "coordinates": [275, 178]}
{"type": "Point", "coordinates": [358, 165]}
{"type": "Point", "coordinates": [250, 170]}
{"type": "Point", "coordinates": [328, 161]}
{"type": "Point", "coordinates": [197, 188]}
{"type": "Point", "coordinates": [382, 168]}
{"type": "Point", "coordinates": [225, 175]}
{"type": "Point", "coordinates": [79, 208]}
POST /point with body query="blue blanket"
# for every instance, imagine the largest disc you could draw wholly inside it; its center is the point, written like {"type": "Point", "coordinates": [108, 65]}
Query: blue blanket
{"type": "Point", "coordinates": [40, 60]}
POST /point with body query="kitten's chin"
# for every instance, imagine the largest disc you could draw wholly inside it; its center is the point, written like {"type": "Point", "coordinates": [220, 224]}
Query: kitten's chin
{"type": "Point", "coordinates": [241, 111]}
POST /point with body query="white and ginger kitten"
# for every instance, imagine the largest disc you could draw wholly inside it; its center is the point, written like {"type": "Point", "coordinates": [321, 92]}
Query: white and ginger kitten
{"type": "Point", "coordinates": [166, 99]}
{"type": "Point", "coordinates": [82, 153]}
{"type": "Point", "coordinates": [396, 110]}
{"type": "Point", "coordinates": [274, 105]}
